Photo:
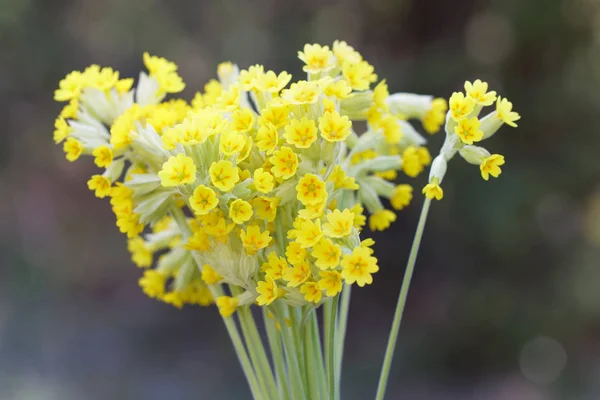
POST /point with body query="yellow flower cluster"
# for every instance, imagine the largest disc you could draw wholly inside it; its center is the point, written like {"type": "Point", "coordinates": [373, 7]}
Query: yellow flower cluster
{"type": "Point", "coordinates": [258, 184]}
{"type": "Point", "coordinates": [464, 128]}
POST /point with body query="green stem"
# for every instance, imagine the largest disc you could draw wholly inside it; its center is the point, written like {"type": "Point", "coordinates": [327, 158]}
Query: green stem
{"type": "Point", "coordinates": [410, 266]}
{"type": "Point", "coordinates": [310, 363]}
{"type": "Point", "coordinates": [253, 351]}
{"type": "Point", "coordinates": [291, 354]}
{"type": "Point", "coordinates": [296, 317]}
{"type": "Point", "coordinates": [318, 352]}
{"type": "Point", "coordinates": [232, 330]}
{"type": "Point", "coordinates": [277, 353]}
{"type": "Point", "coordinates": [329, 318]}
{"type": "Point", "coordinates": [340, 334]}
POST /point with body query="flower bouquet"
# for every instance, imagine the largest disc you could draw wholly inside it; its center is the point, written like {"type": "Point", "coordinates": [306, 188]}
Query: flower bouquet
{"type": "Point", "coordinates": [257, 191]}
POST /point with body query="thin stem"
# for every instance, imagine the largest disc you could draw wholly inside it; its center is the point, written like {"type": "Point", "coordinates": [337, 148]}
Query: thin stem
{"type": "Point", "coordinates": [329, 317]}
{"type": "Point", "coordinates": [310, 363]}
{"type": "Point", "coordinates": [340, 334]}
{"type": "Point", "coordinates": [317, 351]}
{"type": "Point", "coordinates": [257, 352]}
{"type": "Point", "coordinates": [277, 353]}
{"type": "Point", "coordinates": [291, 355]}
{"type": "Point", "coordinates": [296, 318]}
{"type": "Point", "coordinates": [253, 351]}
{"type": "Point", "coordinates": [232, 330]}
{"type": "Point", "coordinates": [410, 266]}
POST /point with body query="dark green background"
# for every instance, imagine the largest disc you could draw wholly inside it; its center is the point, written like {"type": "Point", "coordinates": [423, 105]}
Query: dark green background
{"type": "Point", "coordinates": [502, 262]}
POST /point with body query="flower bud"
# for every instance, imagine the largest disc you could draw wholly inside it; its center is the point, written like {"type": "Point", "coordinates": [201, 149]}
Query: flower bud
{"type": "Point", "coordinates": [474, 154]}
{"type": "Point", "coordinates": [409, 104]}
{"type": "Point", "coordinates": [438, 169]}
{"type": "Point", "coordinates": [357, 104]}
{"type": "Point", "coordinates": [490, 124]}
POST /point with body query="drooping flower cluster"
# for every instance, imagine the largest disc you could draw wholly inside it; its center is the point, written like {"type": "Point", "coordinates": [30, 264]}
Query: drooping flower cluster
{"type": "Point", "coordinates": [464, 128]}
{"type": "Point", "coordinates": [257, 183]}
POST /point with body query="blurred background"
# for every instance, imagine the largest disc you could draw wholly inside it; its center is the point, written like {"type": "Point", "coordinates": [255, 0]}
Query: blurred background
{"type": "Point", "coordinates": [505, 302]}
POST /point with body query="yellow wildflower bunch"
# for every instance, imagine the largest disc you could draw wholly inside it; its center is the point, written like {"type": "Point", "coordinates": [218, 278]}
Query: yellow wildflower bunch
{"type": "Point", "coordinates": [464, 128]}
{"type": "Point", "coordinates": [259, 183]}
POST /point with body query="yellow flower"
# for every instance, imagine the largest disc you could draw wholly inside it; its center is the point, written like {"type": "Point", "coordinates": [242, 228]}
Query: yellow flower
{"type": "Point", "coordinates": [266, 207]}
{"type": "Point", "coordinates": [164, 73]}
{"type": "Point", "coordinates": [297, 275]}
{"type": "Point", "coordinates": [140, 253]}
{"type": "Point", "coordinates": [152, 283]}
{"type": "Point", "coordinates": [210, 276]}
{"type": "Point", "coordinates": [360, 220]}
{"type": "Point", "coordinates": [223, 175]}
{"type": "Point", "coordinates": [174, 298]}
{"type": "Point", "coordinates": [402, 196]}
{"type": "Point", "coordinates": [311, 189]}
{"type": "Point", "coordinates": [330, 282]}
{"type": "Point", "coordinates": [124, 85]}
{"type": "Point", "coordinates": [302, 92]}
{"type": "Point", "coordinates": [285, 163]}
{"type": "Point", "coordinates": [312, 211]}
{"type": "Point", "coordinates": [104, 156]}
{"type": "Point", "coordinates": [268, 291]}
{"type": "Point", "coordinates": [460, 106]}
{"type": "Point", "coordinates": [267, 138]}
{"type": "Point", "coordinates": [381, 220]}
{"type": "Point", "coordinates": [269, 82]}
{"type": "Point", "coordinates": [317, 58]}
{"type": "Point", "coordinates": [327, 254]}
{"type": "Point", "coordinates": [203, 200]}
{"type": "Point", "coordinates": [391, 129]}
{"type": "Point", "coordinates": [359, 75]}
{"type": "Point", "coordinates": [61, 130]}
{"type": "Point", "coordinates": [227, 305]}
{"type": "Point", "coordinates": [505, 113]}
{"type": "Point", "coordinates": [220, 230]}
{"type": "Point", "coordinates": [345, 53]}
{"type": "Point", "coordinates": [433, 191]}
{"type": "Point", "coordinates": [301, 133]}
{"type": "Point", "coordinates": [338, 89]}
{"type": "Point", "coordinates": [334, 127]}
{"type": "Point", "coordinates": [178, 170]}
{"type": "Point", "coordinates": [435, 117]}
{"type": "Point", "coordinates": [70, 110]}
{"type": "Point", "coordinates": [100, 184]}
{"type": "Point", "coordinates": [341, 180]}
{"type": "Point", "coordinates": [230, 99]}
{"type": "Point", "coordinates": [491, 166]}
{"type": "Point", "coordinates": [295, 253]}
{"type": "Point", "coordinates": [231, 143]}
{"type": "Point", "coordinates": [263, 181]}
{"type": "Point", "coordinates": [243, 120]}
{"type": "Point", "coordinates": [478, 92]}
{"type": "Point", "coordinates": [253, 239]}
{"type": "Point", "coordinates": [275, 266]}
{"type": "Point", "coordinates": [358, 267]}
{"type": "Point", "coordinates": [70, 87]}
{"type": "Point", "coordinates": [339, 223]}
{"type": "Point", "coordinates": [240, 211]}
{"type": "Point", "coordinates": [102, 79]}
{"type": "Point", "coordinates": [276, 115]}
{"type": "Point", "coordinates": [311, 291]}
{"type": "Point", "coordinates": [199, 241]}
{"type": "Point", "coordinates": [309, 233]}
{"type": "Point", "coordinates": [248, 78]}
{"type": "Point", "coordinates": [411, 162]}
{"type": "Point", "coordinates": [73, 149]}
{"type": "Point", "coordinates": [468, 130]}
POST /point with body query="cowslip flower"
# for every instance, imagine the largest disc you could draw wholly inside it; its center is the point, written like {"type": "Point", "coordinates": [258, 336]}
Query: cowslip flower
{"type": "Point", "coordinates": [178, 170]}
